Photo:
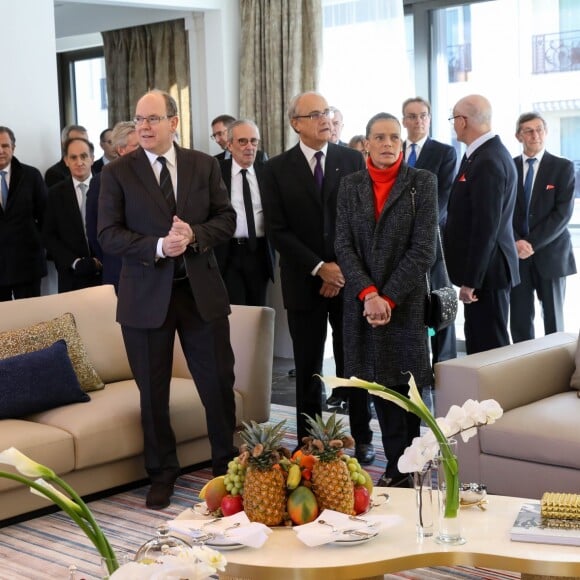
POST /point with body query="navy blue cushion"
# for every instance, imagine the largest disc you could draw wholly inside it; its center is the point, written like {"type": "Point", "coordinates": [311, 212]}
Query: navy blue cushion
{"type": "Point", "coordinates": [38, 381]}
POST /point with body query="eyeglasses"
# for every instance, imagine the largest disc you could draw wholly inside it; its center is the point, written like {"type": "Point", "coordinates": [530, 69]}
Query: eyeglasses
{"type": "Point", "coordinates": [109, 142]}
{"type": "Point", "coordinates": [242, 141]}
{"type": "Point", "coordinates": [151, 119]}
{"type": "Point", "coordinates": [316, 115]}
{"type": "Point", "coordinates": [217, 134]}
{"type": "Point", "coordinates": [414, 117]}
{"type": "Point", "coordinates": [530, 132]}
{"type": "Point", "coordinates": [451, 119]}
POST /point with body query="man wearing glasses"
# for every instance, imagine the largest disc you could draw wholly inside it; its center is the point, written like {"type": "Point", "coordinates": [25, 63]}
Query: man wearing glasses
{"type": "Point", "coordinates": [247, 260]}
{"type": "Point", "coordinates": [219, 133]}
{"type": "Point", "coordinates": [544, 206]}
{"type": "Point", "coordinates": [423, 152]}
{"type": "Point", "coordinates": [300, 207]}
{"type": "Point", "coordinates": [163, 209]}
{"type": "Point", "coordinates": [480, 250]}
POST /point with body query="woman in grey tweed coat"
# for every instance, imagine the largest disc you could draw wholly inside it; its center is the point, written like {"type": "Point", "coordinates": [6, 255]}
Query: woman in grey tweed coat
{"type": "Point", "coordinates": [385, 244]}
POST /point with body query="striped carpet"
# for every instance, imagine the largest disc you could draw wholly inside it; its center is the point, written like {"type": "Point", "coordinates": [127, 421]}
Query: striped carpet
{"type": "Point", "coordinates": [44, 547]}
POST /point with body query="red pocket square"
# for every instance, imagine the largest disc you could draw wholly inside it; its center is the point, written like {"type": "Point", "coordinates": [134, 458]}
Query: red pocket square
{"type": "Point", "coordinates": [462, 177]}
{"type": "Point", "coordinates": [549, 186]}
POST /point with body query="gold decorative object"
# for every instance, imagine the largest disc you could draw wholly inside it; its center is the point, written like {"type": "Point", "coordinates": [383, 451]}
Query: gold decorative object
{"type": "Point", "coordinates": [561, 506]}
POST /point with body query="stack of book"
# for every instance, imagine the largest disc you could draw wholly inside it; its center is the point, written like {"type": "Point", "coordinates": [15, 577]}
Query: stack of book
{"type": "Point", "coordinates": [554, 520]}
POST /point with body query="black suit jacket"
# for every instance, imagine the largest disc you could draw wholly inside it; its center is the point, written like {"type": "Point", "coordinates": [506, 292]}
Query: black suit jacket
{"type": "Point", "coordinates": [63, 230]}
{"type": "Point", "coordinates": [479, 243]}
{"type": "Point", "coordinates": [133, 215]}
{"type": "Point", "coordinates": [441, 160]}
{"type": "Point", "coordinates": [301, 221]}
{"type": "Point", "coordinates": [551, 207]}
{"type": "Point", "coordinates": [223, 250]}
{"type": "Point", "coordinates": [98, 166]}
{"type": "Point", "coordinates": [21, 248]}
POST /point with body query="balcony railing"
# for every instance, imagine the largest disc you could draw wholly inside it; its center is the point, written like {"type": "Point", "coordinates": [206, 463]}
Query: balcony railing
{"type": "Point", "coordinates": [557, 52]}
{"type": "Point", "coordinates": [458, 62]}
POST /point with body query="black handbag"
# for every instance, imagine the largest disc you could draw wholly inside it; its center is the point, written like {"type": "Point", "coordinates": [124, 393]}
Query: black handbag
{"type": "Point", "coordinates": [441, 303]}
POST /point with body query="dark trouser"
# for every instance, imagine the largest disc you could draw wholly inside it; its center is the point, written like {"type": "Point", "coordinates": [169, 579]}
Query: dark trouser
{"type": "Point", "coordinates": [308, 331]}
{"type": "Point", "coordinates": [398, 429]}
{"type": "Point", "coordinates": [486, 321]}
{"type": "Point", "coordinates": [25, 290]}
{"type": "Point", "coordinates": [245, 275]}
{"type": "Point", "coordinates": [210, 359]}
{"type": "Point", "coordinates": [551, 293]}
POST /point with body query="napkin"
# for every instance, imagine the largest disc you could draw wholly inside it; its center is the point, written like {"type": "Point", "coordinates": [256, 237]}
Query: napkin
{"type": "Point", "coordinates": [316, 534]}
{"type": "Point", "coordinates": [247, 533]}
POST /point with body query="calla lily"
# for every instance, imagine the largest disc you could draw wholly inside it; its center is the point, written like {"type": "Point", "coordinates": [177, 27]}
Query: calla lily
{"type": "Point", "coordinates": [67, 499]}
{"type": "Point", "coordinates": [24, 464]}
{"type": "Point", "coordinates": [60, 498]}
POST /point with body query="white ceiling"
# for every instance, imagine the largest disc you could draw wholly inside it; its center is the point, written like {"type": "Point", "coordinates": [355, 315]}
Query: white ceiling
{"type": "Point", "coordinates": [78, 18]}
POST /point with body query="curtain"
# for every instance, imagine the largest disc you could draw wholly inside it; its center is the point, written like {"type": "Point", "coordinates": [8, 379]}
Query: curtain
{"type": "Point", "coordinates": [281, 54]}
{"type": "Point", "coordinates": [142, 58]}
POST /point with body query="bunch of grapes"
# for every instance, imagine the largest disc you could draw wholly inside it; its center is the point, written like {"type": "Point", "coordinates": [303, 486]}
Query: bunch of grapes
{"type": "Point", "coordinates": [234, 479]}
{"type": "Point", "coordinates": [354, 468]}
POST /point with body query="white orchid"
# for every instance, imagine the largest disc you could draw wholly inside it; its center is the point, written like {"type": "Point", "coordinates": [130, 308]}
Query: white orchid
{"type": "Point", "coordinates": [64, 499]}
{"type": "Point", "coordinates": [198, 563]}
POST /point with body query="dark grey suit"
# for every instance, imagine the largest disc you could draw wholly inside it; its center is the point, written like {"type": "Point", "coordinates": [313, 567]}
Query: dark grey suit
{"type": "Point", "coordinates": [133, 215]}
{"type": "Point", "coordinates": [441, 160]}
{"type": "Point", "coordinates": [551, 207]}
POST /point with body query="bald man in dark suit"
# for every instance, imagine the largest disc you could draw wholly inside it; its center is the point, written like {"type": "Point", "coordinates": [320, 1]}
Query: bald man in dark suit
{"type": "Point", "coordinates": [163, 209]}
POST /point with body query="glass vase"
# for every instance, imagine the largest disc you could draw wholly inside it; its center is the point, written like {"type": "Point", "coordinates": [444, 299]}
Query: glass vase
{"type": "Point", "coordinates": [423, 483]}
{"type": "Point", "coordinates": [449, 530]}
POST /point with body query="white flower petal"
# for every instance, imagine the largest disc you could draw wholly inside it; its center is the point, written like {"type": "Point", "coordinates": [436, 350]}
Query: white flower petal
{"type": "Point", "coordinates": [24, 464]}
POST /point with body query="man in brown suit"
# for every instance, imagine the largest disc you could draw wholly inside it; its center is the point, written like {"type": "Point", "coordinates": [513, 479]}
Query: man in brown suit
{"type": "Point", "coordinates": [163, 209]}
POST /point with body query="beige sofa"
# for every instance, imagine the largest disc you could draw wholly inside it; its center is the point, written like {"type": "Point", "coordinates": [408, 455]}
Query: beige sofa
{"type": "Point", "coordinates": [98, 445]}
{"type": "Point", "coordinates": [535, 446]}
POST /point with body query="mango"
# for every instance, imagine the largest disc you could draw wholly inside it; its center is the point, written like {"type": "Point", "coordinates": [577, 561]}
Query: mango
{"type": "Point", "coordinates": [213, 492]}
{"type": "Point", "coordinates": [302, 506]}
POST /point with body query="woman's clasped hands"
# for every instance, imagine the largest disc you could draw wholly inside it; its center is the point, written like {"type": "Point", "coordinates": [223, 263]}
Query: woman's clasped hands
{"type": "Point", "coordinates": [376, 310]}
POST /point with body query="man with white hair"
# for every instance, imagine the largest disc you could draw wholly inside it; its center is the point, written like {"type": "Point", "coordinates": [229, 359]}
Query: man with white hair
{"type": "Point", "coordinates": [479, 244]}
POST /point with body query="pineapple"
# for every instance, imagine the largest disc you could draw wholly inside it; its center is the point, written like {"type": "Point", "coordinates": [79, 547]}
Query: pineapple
{"type": "Point", "coordinates": [331, 481]}
{"type": "Point", "coordinates": [265, 482]}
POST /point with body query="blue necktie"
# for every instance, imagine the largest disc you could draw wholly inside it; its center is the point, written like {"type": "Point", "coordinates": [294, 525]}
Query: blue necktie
{"type": "Point", "coordinates": [412, 156]}
{"type": "Point", "coordinates": [528, 193]}
{"type": "Point", "coordinates": [4, 187]}
{"type": "Point", "coordinates": [318, 173]}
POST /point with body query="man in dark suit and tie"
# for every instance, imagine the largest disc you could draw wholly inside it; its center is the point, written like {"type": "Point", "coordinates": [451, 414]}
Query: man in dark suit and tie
{"type": "Point", "coordinates": [479, 242]}
{"type": "Point", "coordinates": [64, 228]}
{"type": "Point", "coordinates": [247, 260]}
{"type": "Point", "coordinates": [300, 208]}
{"type": "Point", "coordinates": [22, 205]}
{"type": "Point", "coordinates": [423, 152]}
{"type": "Point", "coordinates": [544, 206]}
{"type": "Point", "coordinates": [163, 209]}
{"type": "Point", "coordinates": [59, 171]}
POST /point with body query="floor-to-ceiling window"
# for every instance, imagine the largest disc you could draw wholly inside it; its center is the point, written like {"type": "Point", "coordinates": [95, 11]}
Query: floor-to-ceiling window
{"type": "Point", "coordinates": [522, 54]}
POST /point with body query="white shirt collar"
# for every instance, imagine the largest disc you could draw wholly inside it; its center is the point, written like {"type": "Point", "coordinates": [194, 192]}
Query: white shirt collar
{"type": "Point", "coordinates": [479, 142]}
{"type": "Point", "coordinates": [537, 157]}
{"type": "Point", "coordinates": [236, 168]}
{"type": "Point", "coordinates": [170, 155]}
{"type": "Point", "coordinates": [419, 144]}
{"type": "Point", "coordinates": [309, 152]}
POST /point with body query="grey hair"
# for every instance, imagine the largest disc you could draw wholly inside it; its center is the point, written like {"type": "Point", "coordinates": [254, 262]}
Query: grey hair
{"type": "Point", "coordinates": [121, 132]}
{"type": "Point", "coordinates": [237, 124]}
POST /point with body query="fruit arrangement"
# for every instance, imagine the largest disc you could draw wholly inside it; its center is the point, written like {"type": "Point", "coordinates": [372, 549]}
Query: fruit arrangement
{"type": "Point", "coordinates": [277, 488]}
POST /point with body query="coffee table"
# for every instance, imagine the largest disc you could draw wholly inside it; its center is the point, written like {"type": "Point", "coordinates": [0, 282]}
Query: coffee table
{"type": "Point", "coordinates": [284, 557]}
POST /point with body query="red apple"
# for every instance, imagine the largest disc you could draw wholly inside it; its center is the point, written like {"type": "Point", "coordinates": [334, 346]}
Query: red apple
{"type": "Point", "coordinates": [362, 499]}
{"type": "Point", "coordinates": [232, 504]}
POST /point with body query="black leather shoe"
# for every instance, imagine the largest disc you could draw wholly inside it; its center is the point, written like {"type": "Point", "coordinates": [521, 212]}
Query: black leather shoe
{"type": "Point", "coordinates": [334, 401]}
{"type": "Point", "coordinates": [402, 481]}
{"type": "Point", "coordinates": [365, 453]}
{"type": "Point", "coordinates": [159, 495]}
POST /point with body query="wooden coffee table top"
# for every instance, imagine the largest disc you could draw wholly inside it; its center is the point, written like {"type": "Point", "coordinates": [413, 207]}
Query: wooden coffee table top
{"type": "Point", "coordinates": [284, 557]}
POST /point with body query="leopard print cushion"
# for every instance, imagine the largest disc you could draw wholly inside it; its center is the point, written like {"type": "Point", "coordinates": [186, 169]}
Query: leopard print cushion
{"type": "Point", "coordinates": [43, 335]}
